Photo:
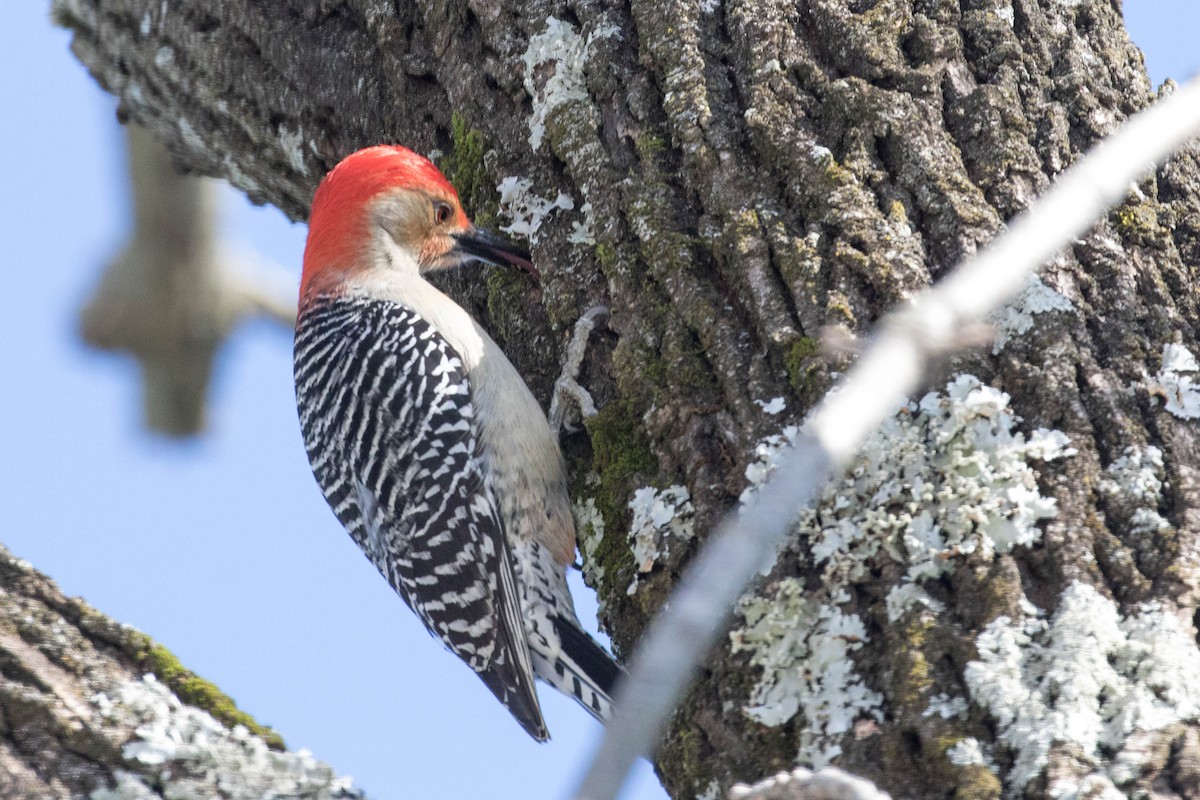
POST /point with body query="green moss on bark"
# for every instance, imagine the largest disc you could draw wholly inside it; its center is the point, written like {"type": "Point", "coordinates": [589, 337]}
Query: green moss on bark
{"type": "Point", "coordinates": [464, 167]}
{"type": "Point", "coordinates": [804, 368]}
{"type": "Point", "coordinates": [620, 451]}
{"type": "Point", "coordinates": [687, 753]}
{"type": "Point", "coordinates": [912, 676]}
{"type": "Point", "coordinates": [976, 782]}
{"type": "Point", "coordinates": [505, 293]}
{"type": "Point", "coordinates": [195, 691]}
{"type": "Point", "coordinates": [1138, 223]}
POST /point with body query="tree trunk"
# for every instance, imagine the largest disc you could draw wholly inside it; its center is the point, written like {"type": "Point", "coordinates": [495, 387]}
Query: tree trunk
{"type": "Point", "coordinates": [980, 606]}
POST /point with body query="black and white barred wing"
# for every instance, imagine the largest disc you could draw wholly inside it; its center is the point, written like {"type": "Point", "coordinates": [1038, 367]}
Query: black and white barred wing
{"type": "Point", "coordinates": [386, 411]}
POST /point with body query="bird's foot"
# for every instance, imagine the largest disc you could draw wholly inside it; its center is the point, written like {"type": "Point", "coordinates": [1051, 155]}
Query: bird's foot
{"type": "Point", "coordinates": [567, 385]}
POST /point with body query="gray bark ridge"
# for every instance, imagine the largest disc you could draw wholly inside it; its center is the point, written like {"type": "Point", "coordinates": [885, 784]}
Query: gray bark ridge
{"type": "Point", "coordinates": [92, 708]}
{"type": "Point", "coordinates": [741, 175]}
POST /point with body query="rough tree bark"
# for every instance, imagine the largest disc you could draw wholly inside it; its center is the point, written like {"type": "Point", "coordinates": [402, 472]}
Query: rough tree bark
{"type": "Point", "coordinates": [742, 175]}
{"type": "Point", "coordinates": [90, 708]}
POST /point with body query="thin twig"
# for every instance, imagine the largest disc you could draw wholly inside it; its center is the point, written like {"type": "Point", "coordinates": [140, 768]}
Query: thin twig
{"type": "Point", "coordinates": [890, 368]}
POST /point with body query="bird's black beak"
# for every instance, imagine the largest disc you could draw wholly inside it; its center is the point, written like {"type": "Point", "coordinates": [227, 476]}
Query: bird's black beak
{"type": "Point", "coordinates": [482, 245]}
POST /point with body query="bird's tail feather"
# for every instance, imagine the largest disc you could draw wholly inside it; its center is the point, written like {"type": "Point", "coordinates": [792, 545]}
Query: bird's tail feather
{"type": "Point", "coordinates": [582, 669]}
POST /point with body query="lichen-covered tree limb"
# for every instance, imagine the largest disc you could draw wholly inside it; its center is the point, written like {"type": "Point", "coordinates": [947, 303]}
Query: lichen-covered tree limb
{"type": "Point", "coordinates": [940, 321]}
{"type": "Point", "coordinates": [93, 708]}
{"type": "Point", "coordinates": [173, 294]}
{"type": "Point", "coordinates": [743, 174]}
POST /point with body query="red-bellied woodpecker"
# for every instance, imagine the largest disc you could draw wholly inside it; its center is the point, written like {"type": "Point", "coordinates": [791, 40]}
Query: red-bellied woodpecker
{"type": "Point", "coordinates": [428, 446]}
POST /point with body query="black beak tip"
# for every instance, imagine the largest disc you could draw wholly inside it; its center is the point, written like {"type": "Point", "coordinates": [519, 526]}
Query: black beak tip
{"type": "Point", "coordinates": [487, 246]}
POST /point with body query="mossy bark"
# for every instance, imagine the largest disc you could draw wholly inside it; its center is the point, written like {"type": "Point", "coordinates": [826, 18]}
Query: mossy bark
{"type": "Point", "coordinates": [754, 172]}
{"type": "Point", "coordinates": [57, 654]}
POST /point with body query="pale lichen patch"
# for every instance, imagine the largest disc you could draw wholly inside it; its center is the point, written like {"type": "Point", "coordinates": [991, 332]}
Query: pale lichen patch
{"type": "Point", "coordinates": [1178, 390]}
{"type": "Point", "coordinates": [190, 137]}
{"type": "Point", "coordinates": [661, 518]}
{"type": "Point", "coordinates": [947, 707]}
{"type": "Point", "coordinates": [239, 178]}
{"type": "Point", "coordinates": [968, 752]}
{"type": "Point", "coordinates": [164, 58]}
{"type": "Point", "coordinates": [528, 211]}
{"type": "Point", "coordinates": [776, 405]}
{"type": "Point", "coordinates": [589, 524]}
{"type": "Point", "coordinates": [830, 783]}
{"type": "Point", "coordinates": [803, 648]}
{"type": "Point", "coordinates": [191, 754]}
{"type": "Point", "coordinates": [767, 454]}
{"type": "Point", "coordinates": [1135, 483]}
{"type": "Point", "coordinates": [291, 142]}
{"type": "Point", "coordinates": [554, 71]}
{"type": "Point", "coordinates": [944, 478]}
{"type": "Point", "coordinates": [583, 232]}
{"type": "Point", "coordinates": [1016, 318]}
{"type": "Point", "coordinates": [1088, 678]}
{"type": "Point", "coordinates": [906, 596]}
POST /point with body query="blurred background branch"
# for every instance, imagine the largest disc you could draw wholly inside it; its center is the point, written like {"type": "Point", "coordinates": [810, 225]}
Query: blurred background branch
{"type": "Point", "coordinates": [174, 293]}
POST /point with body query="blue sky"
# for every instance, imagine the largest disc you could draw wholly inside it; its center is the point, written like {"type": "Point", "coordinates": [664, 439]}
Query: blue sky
{"type": "Point", "coordinates": [222, 547]}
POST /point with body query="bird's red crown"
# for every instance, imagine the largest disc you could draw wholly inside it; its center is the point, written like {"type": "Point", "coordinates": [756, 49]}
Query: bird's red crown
{"type": "Point", "coordinates": [338, 223]}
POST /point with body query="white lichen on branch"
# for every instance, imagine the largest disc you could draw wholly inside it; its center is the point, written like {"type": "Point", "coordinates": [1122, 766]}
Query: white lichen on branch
{"type": "Point", "coordinates": [1016, 317]}
{"type": "Point", "coordinates": [1133, 483]}
{"type": "Point", "coordinates": [1089, 679]}
{"type": "Point", "coordinates": [584, 233]}
{"type": "Point", "coordinates": [1175, 382]}
{"type": "Point", "coordinates": [803, 647]}
{"type": "Point", "coordinates": [554, 71]}
{"type": "Point", "coordinates": [589, 524]}
{"type": "Point", "coordinates": [969, 752]}
{"type": "Point", "coordinates": [661, 518]}
{"type": "Point", "coordinates": [803, 784]}
{"type": "Point", "coordinates": [943, 479]}
{"type": "Point", "coordinates": [946, 707]}
{"type": "Point", "coordinates": [180, 751]}
{"type": "Point", "coordinates": [527, 210]}
{"type": "Point", "coordinates": [766, 456]}
{"type": "Point", "coordinates": [776, 405]}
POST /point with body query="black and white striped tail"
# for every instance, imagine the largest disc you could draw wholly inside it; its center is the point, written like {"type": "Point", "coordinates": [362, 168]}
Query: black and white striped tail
{"type": "Point", "coordinates": [582, 669]}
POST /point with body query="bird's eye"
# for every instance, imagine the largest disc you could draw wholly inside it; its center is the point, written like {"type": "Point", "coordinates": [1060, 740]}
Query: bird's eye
{"type": "Point", "coordinates": [442, 213]}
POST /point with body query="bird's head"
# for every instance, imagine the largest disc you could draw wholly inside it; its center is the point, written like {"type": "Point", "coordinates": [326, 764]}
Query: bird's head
{"type": "Point", "coordinates": [385, 208]}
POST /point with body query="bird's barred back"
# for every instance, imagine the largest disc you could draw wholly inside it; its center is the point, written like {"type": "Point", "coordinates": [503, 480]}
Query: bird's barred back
{"type": "Point", "coordinates": [385, 408]}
